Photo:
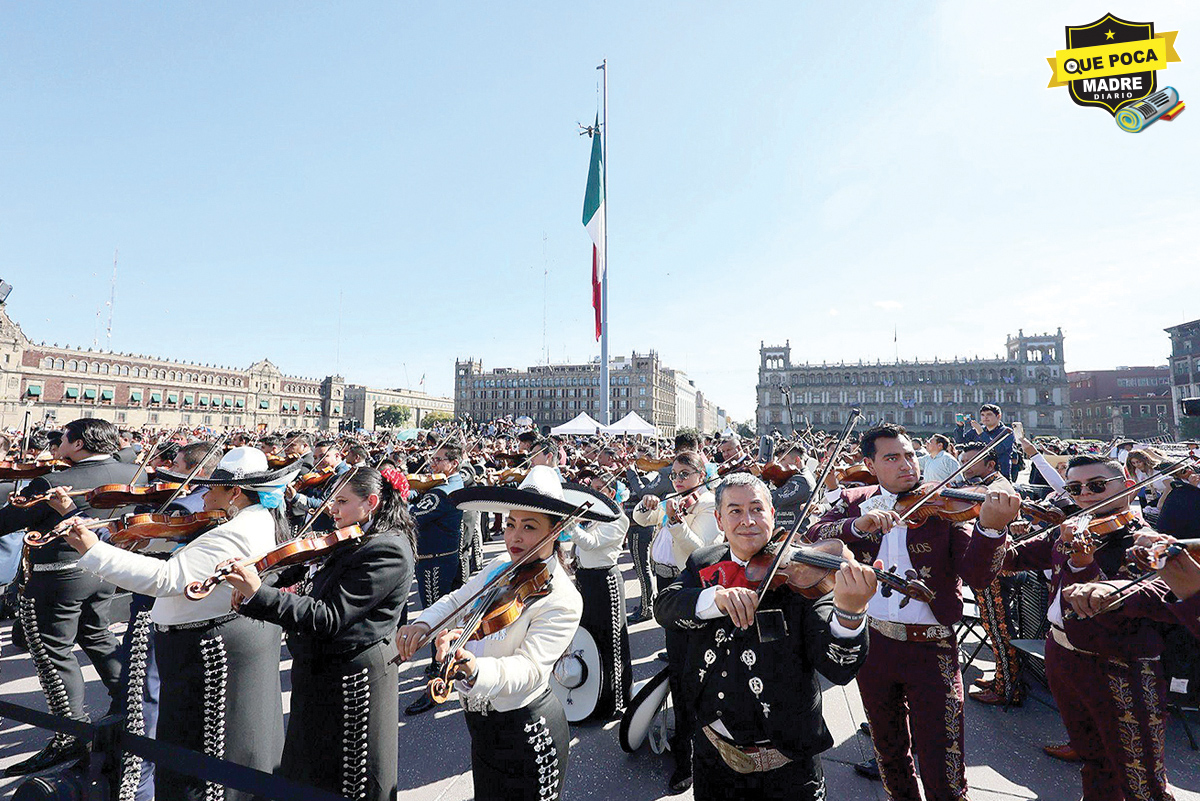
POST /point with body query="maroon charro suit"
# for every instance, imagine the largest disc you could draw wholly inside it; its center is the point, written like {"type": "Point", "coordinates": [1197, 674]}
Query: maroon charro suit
{"type": "Point", "coordinates": [916, 686]}
{"type": "Point", "coordinates": [1104, 671]}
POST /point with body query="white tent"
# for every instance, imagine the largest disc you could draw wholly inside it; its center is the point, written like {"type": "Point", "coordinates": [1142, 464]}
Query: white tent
{"type": "Point", "coordinates": [631, 423]}
{"type": "Point", "coordinates": [582, 424]}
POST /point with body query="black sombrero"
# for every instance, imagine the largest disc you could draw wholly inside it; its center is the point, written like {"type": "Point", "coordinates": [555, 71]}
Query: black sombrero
{"type": "Point", "coordinates": [648, 698]}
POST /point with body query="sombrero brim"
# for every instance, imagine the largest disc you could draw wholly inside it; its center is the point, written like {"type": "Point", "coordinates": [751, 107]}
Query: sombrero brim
{"type": "Point", "coordinates": [647, 698]}
{"type": "Point", "coordinates": [500, 500]}
{"type": "Point", "coordinates": [247, 480]}
{"type": "Point", "coordinates": [579, 703]}
{"type": "Point", "coordinates": [575, 494]}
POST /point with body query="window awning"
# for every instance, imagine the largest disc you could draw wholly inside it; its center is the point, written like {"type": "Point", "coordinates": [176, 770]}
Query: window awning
{"type": "Point", "coordinates": [308, 407]}
{"type": "Point", "coordinates": [337, 409]}
{"type": "Point", "coordinates": [172, 397]}
{"type": "Point", "coordinates": [71, 392]}
{"type": "Point", "coordinates": [156, 397]}
{"type": "Point", "coordinates": [34, 389]}
{"type": "Point", "coordinates": [264, 404]}
{"type": "Point", "coordinates": [240, 402]}
{"type": "Point", "coordinates": [106, 394]}
{"type": "Point", "coordinates": [187, 400]}
{"type": "Point", "coordinates": [228, 402]}
{"type": "Point", "coordinates": [203, 400]}
{"type": "Point", "coordinates": [89, 394]}
{"type": "Point", "coordinates": [135, 396]}
{"type": "Point", "coordinates": [295, 406]}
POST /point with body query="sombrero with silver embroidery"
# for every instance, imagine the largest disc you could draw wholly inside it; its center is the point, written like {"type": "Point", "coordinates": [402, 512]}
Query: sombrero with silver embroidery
{"type": "Point", "coordinates": [541, 491]}
{"type": "Point", "coordinates": [576, 677]}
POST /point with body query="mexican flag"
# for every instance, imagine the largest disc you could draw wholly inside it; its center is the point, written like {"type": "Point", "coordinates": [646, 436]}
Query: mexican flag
{"type": "Point", "coordinates": [593, 220]}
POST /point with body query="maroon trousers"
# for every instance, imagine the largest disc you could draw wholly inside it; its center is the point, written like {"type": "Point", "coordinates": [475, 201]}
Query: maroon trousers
{"type": "Point", "coordinates": [1115, 716]}
{"type": "Point", "coordinates": [913, 696]}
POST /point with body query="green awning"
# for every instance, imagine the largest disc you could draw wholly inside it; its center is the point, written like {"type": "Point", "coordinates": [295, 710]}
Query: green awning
{"type": "Point", "coordinates": [172, 397]}
{"type": "Point", "coordinates": [307, 407]}
{"type": "Point", "coordinates": [337, 409]}
{"type": "Point", "coordinates": [240, 402]}
{"type": "Point", "coordinates": [106, 394]}
{"type": "Point", "coordinates": [295, 406]}
{"type": "Point", "coordinates": [229, 402]}
{"type": "Point", "coordinates": [71, 392]}
{"type": "Point", "coordinates": [34, 389]}
{"type": "Point", "coordinates": [264, 404]}
{"type": "Point", "coordinates": [203, 400]}
{"type": "Point", "coordinates": [187, 400]}
{"type": "Point", "coordinates": [156, 397]}
{"type": "Point", "coordinates": [135, 396]}
{"type": "Point", "coordinates": [89, 394]}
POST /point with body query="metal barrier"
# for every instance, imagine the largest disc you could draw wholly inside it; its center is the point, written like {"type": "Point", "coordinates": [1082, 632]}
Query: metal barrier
{"type": "Point", "coordinates": [109, 739]}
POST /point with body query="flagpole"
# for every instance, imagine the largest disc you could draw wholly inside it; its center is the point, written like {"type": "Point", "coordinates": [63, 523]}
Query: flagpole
{"type": "Point", "coordinates": [605, 391]}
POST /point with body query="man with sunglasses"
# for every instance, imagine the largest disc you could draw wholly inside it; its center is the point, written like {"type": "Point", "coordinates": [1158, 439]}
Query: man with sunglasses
{"type": "Point", "coordinates": [1103, 670]}
{"type": "Point", "coordinates": [439, 545]}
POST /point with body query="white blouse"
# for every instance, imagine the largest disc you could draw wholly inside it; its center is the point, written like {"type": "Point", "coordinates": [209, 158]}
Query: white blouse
{"type": "Point", "coordinates": [515, 663]}
{"type": "Point", "coordinates": [697, 529]}
{"type": "Point", "coordinates": [600, 544]}
{"type": "Point", "coordinates": [250, 533]}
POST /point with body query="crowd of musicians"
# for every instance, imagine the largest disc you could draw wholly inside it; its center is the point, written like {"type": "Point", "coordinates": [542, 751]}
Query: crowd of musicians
{"type": "Point", "coordinates": [767, 563]}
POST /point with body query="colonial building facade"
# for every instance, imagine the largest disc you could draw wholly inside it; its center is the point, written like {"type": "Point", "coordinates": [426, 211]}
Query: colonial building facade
{"type": "Point", "coordinates": [52, 384]}
{"type": "Point", "coordinates": [555, 393]}
{"type": "Point", "coordinates": [1132, 402]}
{"type": "Point", "coordinates": [1029, 384]}
{"type": "Point", "coordinates": [1185, 363]}
{"type": "Point", "coordinates": [363, 402]}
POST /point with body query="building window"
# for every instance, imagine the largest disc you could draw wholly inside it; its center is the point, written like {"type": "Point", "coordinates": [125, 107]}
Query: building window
{"type": "Point", "coordinates": [152, 417]}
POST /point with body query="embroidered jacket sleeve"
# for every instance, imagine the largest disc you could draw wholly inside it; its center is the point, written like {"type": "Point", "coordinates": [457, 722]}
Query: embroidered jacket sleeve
{"type": "Point", "coordinates": [370, 575]}
{"type": "Point", "coordinates": [1152, 600]}
{"type": "Point", "coordinates": [836, 658]}
{"type": "Point", "coordinates": [837, 523]}
{"type": "Point", "coordinates": [1036, 553]}
{"type": "Point", "coordinates": [978, 557]}
{"type": "Point", "coordinates": [675, 606]}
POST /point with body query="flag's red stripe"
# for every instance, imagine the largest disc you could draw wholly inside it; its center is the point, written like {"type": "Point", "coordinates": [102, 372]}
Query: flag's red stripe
{"type": "Point", "coordinates": [596, 298]}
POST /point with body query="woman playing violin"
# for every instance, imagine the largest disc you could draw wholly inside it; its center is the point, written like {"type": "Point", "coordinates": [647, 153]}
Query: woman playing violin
{"type": "Point", "coordinates": [519, 735]}
{"type": "Point", "coordinates": [220, 692]}
{"type": "Point", "coordinates": [340, 633]}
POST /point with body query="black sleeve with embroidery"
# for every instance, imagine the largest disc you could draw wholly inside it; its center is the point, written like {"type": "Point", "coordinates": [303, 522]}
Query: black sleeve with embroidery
{"type": "Point", "coordinates": [836, 658]}
{"type": "Point", "coordinates": [675, 606]}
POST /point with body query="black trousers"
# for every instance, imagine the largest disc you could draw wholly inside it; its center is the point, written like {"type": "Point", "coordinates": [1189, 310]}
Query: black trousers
{"type": "Point", "coordinates": [62, 608]}
{"type": "Point", "coordinates": [437, 576]}
{"type": "Point", "coordinates": [712, 780]}
{"type": "Point", "coordinates": [520, 755]}
{"type": "Point", "coordinates": [685, 719]}
{"type": "Point", "coordinates": [603, 591]}
{"type": "Point", "coordinates": [220, 696]}
{"type": "Point", "coordinates": [342, 730]}
{"type": "Point", "coordinates": [639, 539]}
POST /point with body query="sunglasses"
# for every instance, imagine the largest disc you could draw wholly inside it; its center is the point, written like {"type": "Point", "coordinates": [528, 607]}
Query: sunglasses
{"type": "Point", "coordinates": [1094, 485]}
{"type": "Point", "coordinates": [683, 475]}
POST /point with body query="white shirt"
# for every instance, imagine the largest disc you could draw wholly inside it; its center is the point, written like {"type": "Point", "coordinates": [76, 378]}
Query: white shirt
{"type": "Point", "coordinates": [1054, 612]}
{"type": "Point", "coordinates": [250, 534]}
{"type": "Point", "coordinates": [600, 544]}
{"type": "Point", "coordinates": [893, 550]}
{"type": "Point", "coordinates": [515, 663]}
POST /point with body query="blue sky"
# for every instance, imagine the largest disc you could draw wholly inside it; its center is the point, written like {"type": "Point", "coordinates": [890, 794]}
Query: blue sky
{"type": "Point", "coordinates": [777, 171]}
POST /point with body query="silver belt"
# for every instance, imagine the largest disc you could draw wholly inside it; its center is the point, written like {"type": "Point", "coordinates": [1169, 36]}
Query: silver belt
{"type": "Point", "coordinates": [904, 632]}
{"type": "Point", "coordinates": [50, 567]}
{"type": "Point", "coordinates": [424, 557]}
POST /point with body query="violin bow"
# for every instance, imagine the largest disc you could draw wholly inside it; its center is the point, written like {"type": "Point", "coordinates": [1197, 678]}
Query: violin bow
{"type": "Point", "coordinates": [574, 516]}
{"type": "Point", "coordinates": [1126, 493]}
{"type": "Point", "coordinates": [761, 589]}
{"type": "Point", "coordinates": [218, 442]}
{"type": "Point", "coordinates": [979, 457]}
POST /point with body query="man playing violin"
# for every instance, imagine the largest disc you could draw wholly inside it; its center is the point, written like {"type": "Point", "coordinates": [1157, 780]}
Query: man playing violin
{"type": "Point", "coordinates": [63, 605]}
{"type": "Point", "coordinates": [1103, 669]}
{"type": "Point", "coordinates": [911, 685]}
{"type": "Point", "coordinates": [791, 497]}
{"type": "Point", "coordinates": [757, 703]}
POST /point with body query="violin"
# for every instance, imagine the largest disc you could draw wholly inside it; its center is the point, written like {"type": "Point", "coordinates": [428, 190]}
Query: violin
{"type": "Point", "coordinates": [960, 505]}
{"type": "Point", "coordinates": [19, 471]}
{"type": "Point", "coordinates": [133, 531]}
{"type": "Point", "coordinates": [1088, 538]}
{"type": "Point", "coordinates": [809, 569]}
{"type": "Point", "coordinates": [108, 496]}
{"type": "Point", "coordinates": [314, 479]}
{"type": "Point", "coordinates": [276, 462]}
{"type": "Point", "coordinates": [1155, 557]}
{"type": "Point", "coordinates": [505, 604]}
{"type": "Point", "coordinates": [648, 465]}
{"type": "Point", "coordinates": [857, 474]}
{"type": "Point", "coordinates": [509, 475]}
{"type": "Point", "coordinates": [422, 482]}
{"type": "Point", "coordinates": [293, 552]}
{"type": "Point", "coordinates": [777, 474]}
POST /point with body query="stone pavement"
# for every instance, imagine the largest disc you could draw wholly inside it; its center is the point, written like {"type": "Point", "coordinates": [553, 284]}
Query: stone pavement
{"type": "Point", "coordinates": [1004, 755]}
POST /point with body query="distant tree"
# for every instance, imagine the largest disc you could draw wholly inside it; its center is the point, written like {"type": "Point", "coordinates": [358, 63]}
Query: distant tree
{"type": "Point", "coordinates": [394, 416]}
{"type": "Point", "coordinates": [431, 419]}
{"type": "Point", "coordinates": [745, 428]}
{"type": "Point", "coordinates": [688, 430]}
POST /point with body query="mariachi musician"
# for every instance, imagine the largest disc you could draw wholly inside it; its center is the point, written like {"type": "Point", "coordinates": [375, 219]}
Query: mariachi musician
{"type": "Point", "coordinates": [220, 691]}
{"type": "Point", "coordinates": [520, 742]}
{"type": "Point", "coordinates": [756, 701]}
{"type": "Point", "coordinates": [911, 684]}
{"type": "Point", "coordinates": [61, 604]}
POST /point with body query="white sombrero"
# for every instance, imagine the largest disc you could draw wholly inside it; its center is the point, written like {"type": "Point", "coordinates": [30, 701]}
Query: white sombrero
{"type": "Point", "coordinates": [648, 698]}
{"type": "Point", "coordinates": [541, 491]}
{"type": "Point", "coordinates": [576, 677]}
